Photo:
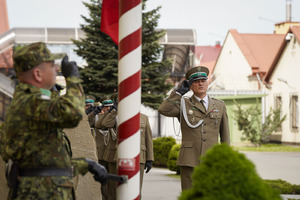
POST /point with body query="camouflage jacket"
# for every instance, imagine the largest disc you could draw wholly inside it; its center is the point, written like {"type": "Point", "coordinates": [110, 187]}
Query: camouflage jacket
{"type": "Point", "coordinates": [32, 132]}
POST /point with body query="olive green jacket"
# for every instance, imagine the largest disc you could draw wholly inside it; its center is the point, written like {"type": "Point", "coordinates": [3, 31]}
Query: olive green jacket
{"type": "Point", "coordinates": [100, 135]}
{"type": "Point", "coordinates": [146, 145]}
{"type": "Point", "coordinates": [196, 141]}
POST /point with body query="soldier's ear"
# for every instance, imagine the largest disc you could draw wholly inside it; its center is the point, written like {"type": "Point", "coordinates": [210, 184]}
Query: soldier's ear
{"type": "Point", "coordinates": [37, 74]}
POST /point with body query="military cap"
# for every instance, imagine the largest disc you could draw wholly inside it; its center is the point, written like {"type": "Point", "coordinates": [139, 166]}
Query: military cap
{"type": "Point", "coordinates": [32, 55]}
{"type": "Point", "coordinates": [195, 73]}
{"type": "Point", "coordinates": [89, 102]}
{"type": "Point", "coordinates": [107, 102]}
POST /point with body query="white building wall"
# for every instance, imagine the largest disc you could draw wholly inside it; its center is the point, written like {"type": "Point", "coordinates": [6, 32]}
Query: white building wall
{"type": "Point", "coordinates": [232, 69]}
{"type": "Point", "coordinates": [288, 68]}
{"type": "Point", "coordinates": [169, 125]}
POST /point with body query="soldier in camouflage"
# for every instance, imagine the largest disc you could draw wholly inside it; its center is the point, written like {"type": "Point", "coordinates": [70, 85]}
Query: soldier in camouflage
{"type": "Point", "coordinates": [32, 134]}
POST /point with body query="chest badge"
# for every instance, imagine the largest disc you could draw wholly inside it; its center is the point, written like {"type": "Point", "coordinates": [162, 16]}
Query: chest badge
{"type": "Point", "coordinates": [191, 112]}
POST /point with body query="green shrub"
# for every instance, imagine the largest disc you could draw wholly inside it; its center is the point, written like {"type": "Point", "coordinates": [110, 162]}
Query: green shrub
{"type": "Point", "coordinates": [283, 187]}
{"type": "Point", "coordinates": [296, 189]}
{"type": "Point", "coordinates": [225, 174]}
{"type": "Point", "coordinates": [173, 155]}
{"type": "Point", "coordinates": [161, 148]}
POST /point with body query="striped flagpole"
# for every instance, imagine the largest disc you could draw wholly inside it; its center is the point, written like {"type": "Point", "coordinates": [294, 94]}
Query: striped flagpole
{"type": "Point", "coordinates": [129, 82]}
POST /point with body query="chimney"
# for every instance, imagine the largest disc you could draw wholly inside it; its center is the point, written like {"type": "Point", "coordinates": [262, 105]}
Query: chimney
{"type": "Point", "coordinates": [288, 10]}
{"type": "Point", "coordinates": [4, 26]}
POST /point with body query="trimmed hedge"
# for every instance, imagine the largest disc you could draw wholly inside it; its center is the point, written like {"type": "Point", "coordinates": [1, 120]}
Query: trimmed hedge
{"type": "Point", "coordinates": [173, 155]}
{"type": "Point", "coordinates": [161, 148]}
{"type": "Point", "coordinates": [225, 174]}
{"type": "Point", "coordinates": [283, 187]}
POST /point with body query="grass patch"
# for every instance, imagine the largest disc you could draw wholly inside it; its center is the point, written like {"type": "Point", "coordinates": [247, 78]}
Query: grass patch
{"type": "Point", "coordinates": [174, 176]}
{"type": "Point", "coordinates": [269, 148]}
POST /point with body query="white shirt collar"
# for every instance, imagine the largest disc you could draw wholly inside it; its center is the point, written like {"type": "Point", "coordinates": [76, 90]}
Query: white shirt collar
{"type": "Point", "coordinates": [205, 101]}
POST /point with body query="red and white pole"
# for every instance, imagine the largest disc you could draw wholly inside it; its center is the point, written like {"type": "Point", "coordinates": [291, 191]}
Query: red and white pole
{"type": "Point", "coordinates": [129, 81]}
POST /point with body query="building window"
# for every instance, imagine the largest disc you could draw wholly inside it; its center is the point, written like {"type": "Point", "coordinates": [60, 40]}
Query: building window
{"type": "Point", "coordinates": [277, 105]}
{"type": "Point", "coordinates": [294, 114]}
{"type": "Point", "coordinates": [277, 102]}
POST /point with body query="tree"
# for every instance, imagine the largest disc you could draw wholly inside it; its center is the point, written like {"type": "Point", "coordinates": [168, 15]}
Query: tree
{"type": "Point", "coordinates": [253, 130]}
{"type": "Point", "coordinates": [101, 75]}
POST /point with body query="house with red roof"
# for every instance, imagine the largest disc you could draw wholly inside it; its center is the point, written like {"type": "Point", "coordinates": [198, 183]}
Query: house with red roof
{"type": "Point", "coordinates": [283, 86]}
{"type": "Point", "coordinates": [240, 68]}
{"type": "Point", "coordinates": [245, 59]}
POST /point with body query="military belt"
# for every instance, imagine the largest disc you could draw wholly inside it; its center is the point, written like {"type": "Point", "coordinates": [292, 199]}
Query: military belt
{"type": "Point", "coordinates": [46, 171]}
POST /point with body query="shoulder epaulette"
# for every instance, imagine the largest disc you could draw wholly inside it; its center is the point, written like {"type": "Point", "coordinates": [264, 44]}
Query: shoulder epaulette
{"type": "Point", "coordinates": [218, 99]}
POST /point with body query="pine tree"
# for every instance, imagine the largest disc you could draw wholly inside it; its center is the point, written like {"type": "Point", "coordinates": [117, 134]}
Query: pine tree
{"type": "Point", "coordinates": [101, 53]}
{"type": "Point", "coordinates": [154, 86]}
{"type": "Point", "coordinates": [100, 76]}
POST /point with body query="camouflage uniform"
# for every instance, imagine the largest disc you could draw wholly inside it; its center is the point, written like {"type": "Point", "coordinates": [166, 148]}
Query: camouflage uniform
{"type": "Point", "coordinates": [32, 133]}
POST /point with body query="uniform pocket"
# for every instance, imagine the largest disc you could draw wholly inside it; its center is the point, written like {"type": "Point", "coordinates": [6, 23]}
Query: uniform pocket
{"type": "Point", "coordinates": [215, 115]}
{"type": "Point", "coordinates": [188, 144]}
{"type": "Point", "coordinates": [215, 119]}
{"type": "Point", "coordinates": [143, 154]}
{"type": "Point", "coordinates": [186, 154]}
{"type": "Point", "coordinates": [194, 117]}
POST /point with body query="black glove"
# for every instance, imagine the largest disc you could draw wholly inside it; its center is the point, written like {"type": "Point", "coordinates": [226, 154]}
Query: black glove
{"type": "Point", "coordinates": [184, 87]}
{"type": "Point", "coordinates": [100, 173]}
{"type": "Point", "coordinates": [148, 165]}
{"type": "Point", "coordinates": [97, 109]}
{"type": "Point", "coordinates": [57, 88]}
{"type": "Point", "coordinates": [89, 109]}
{"type": "Point", "coordinates": [69, 68]}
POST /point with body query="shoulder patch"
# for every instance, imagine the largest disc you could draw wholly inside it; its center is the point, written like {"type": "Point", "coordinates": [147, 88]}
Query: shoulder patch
{"type": "Point", "coordinates": [46, 94]}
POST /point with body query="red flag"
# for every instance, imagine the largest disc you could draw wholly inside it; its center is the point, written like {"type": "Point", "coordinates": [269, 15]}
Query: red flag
{"type": "Point", "coordinates": [110, 19]}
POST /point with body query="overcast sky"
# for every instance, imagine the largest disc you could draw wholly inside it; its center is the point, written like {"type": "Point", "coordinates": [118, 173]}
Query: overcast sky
{"type": "Point", "coordinates": [210, 18]}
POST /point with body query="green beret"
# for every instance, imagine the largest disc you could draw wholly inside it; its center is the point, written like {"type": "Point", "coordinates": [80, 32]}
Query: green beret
{"type": "Point", "coordinates": [195, 73]}
{"type": "Point", "coordinates": [32, 55]}
{"type": "Point", "coordinates": [107, 102]}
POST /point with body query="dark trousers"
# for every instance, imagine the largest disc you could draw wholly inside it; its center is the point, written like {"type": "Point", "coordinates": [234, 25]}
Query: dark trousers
{"type": "Point", "coordinates": [186, 179]}
{"type": "Point", "coordinates": [104, 188]}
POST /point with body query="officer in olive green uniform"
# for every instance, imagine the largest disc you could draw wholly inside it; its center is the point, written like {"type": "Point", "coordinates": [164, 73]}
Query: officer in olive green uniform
{"type": "Point", "coordinates": [146, 146]}
{"type": "Point", "coordinates": [110, 149]}
{"type": "Point", "coordinates": [203, 119]}
{"type": "Point", "coordinates": [146, 153]}
{"type": "Point", "coordinates": [96, 117]}
{"type": "Point", "coordinates": [32, 134]}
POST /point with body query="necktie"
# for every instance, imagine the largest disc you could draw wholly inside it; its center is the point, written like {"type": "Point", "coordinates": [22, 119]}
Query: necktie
{"type": "Point", "coordinates": [202, 103]}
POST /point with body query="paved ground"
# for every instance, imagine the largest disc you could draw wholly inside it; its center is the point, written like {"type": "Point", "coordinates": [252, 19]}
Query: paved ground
{"type": "Point", "coordinates": [285, 166]}
{"type": "Point", "coordinates": [158, 186]}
